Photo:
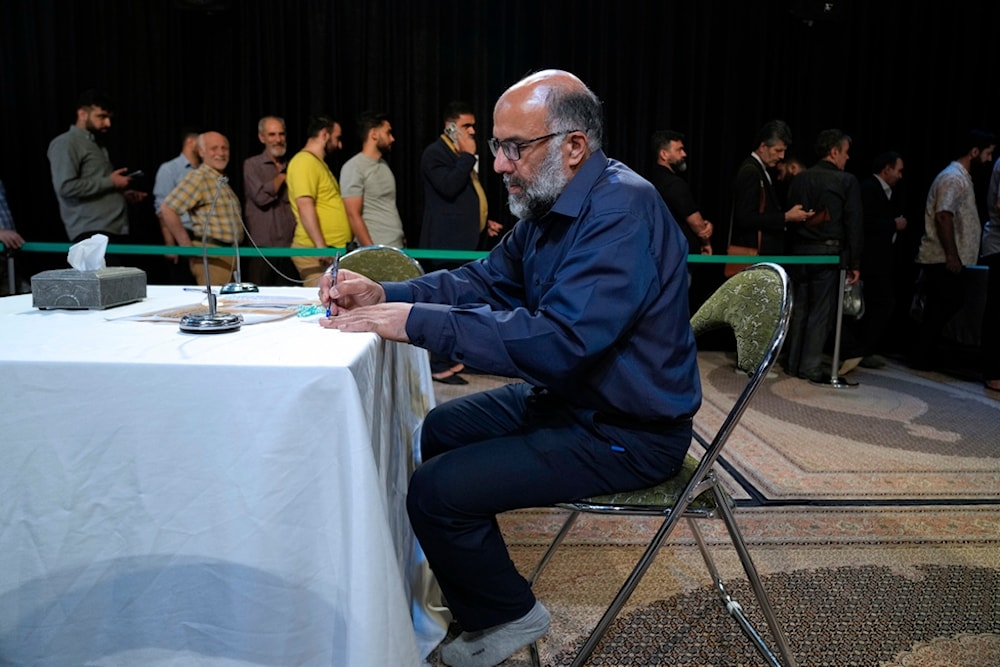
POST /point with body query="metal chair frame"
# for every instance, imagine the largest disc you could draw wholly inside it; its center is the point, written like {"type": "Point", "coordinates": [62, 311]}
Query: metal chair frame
{"type": "Point", "coordinates": [696, 493]}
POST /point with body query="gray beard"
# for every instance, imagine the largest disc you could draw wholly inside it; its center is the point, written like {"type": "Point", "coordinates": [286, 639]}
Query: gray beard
{"type": "Point", "coordinates": [541, 193]}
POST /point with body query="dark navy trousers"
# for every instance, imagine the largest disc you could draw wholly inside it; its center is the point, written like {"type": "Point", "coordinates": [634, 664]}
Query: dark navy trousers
{"type": "Point", "coordinates": [516, 447]}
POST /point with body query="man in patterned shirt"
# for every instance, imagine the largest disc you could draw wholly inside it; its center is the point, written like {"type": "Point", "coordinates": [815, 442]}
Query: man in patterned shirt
{"type": "Point", "coordinates": [950, 242]}
{"type": "Point", "coordinates": [205, 195]}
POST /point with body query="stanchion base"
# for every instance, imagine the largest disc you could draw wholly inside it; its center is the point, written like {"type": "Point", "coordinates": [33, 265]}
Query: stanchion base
{"type": "Point", "coordinates": [237, 288]}
{"type": "Point", "coordinates": [839, 382]}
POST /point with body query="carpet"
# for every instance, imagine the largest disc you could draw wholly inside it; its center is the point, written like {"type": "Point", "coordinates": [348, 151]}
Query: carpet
{"type": "Point", "coordinates": [898, 435]}
{"type": "Point", "coordinates": [869, 511]}
{"type": "Point", "coordinates": [851, 587]}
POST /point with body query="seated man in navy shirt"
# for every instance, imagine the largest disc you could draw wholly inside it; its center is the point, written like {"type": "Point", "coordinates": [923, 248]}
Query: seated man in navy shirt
{"type": "Point", "coordinates": [585, 300]}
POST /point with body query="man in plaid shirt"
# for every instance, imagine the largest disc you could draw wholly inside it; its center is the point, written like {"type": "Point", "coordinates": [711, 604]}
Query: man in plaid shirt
{"type": "Point", "coordinates": [205, 195]}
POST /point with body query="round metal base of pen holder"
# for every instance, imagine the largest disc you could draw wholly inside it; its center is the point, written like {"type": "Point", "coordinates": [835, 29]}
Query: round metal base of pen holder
{"type": "Point", "coordinates": [210, 323]}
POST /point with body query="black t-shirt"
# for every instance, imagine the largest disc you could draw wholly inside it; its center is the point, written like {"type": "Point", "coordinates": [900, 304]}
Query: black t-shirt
{"type": "Point", "coordinates": [677, 194]}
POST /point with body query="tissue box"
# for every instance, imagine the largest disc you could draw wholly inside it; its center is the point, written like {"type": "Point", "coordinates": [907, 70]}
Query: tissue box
{"type": "Point", "coordinates": [74, 289]}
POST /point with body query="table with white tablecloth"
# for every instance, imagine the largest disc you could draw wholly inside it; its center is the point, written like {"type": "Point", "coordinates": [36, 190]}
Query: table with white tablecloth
{"type": "Point", "coordinates": [207, 499]}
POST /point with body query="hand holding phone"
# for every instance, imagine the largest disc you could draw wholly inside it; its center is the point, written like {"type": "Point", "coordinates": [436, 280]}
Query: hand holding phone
{"type": "Point", "coordinates": [451, 131]}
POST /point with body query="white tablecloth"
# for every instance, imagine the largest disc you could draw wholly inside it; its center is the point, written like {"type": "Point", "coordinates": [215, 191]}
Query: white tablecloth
{"type": "Point", "coordinates": [168, 498]}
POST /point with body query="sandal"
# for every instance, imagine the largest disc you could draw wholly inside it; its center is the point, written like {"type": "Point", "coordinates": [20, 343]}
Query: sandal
{"type": "Point", "coordinates": [450, 376]}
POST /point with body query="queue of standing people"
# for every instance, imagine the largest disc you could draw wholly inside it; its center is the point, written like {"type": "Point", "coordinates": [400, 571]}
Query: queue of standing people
{"type": "Point", "coordinates": [781, 207]}
{"type": "Point", "coordinates": [778, 206]}
{"type": "Point", "coordinates": [291, 200]}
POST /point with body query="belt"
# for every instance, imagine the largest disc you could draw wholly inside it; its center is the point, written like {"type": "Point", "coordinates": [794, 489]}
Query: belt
{"type": "Point", "coordinates": [214, 241]}
{"type": "Point", "coordinates": [632, 424]}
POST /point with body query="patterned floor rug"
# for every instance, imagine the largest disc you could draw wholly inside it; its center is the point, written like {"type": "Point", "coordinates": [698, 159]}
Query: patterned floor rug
{"type": "Point", "coordinates": [897, 435]}
{"type": "Point", "coordinates": [851, 587]}
{"type": "Point", "coordinates": [870, 512]}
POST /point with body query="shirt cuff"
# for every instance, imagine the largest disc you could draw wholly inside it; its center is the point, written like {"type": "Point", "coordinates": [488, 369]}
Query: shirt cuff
{"type": "Point", "coordinates": [428, 327]}
{"type": "Point", "coordinates": [396, 292]}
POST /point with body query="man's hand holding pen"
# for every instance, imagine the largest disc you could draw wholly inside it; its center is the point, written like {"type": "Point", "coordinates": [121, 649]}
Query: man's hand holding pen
{"type": "Point", "coordinates": [355, 303]}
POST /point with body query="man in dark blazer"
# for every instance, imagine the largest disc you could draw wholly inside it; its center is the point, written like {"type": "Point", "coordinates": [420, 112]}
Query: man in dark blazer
{"type": "Point", "coordinates": [883, 219]}
{"type": "Point", "coordinates": [455, 209]}
{"type": "Point", "coordinates": [836, 229]}
{"type": "Point", "coordinates": [755, 204]}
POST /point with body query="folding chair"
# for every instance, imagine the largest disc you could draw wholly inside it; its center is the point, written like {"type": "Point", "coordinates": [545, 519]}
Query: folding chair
{"type": "Point", "coordinates": [381, 263]}
{"type": "Point", "coordinates": [755, 304]}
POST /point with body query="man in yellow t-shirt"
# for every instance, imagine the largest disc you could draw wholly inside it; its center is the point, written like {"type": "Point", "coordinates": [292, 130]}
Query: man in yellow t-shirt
{"type": "Point", "coordinates": [320, 217]}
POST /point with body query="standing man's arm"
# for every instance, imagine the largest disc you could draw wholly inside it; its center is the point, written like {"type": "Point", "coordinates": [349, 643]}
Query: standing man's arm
{"type": "Point", "coordinates": [853, 228]}
{"type": "Point", "coordinates": [260, 189]}
{"type": "Point", "coordinates": [67, 181]}
{"type": "Point", "coordinates": [354, 206]}
{"type": "Point", "coordinates": [944, 221]}
{"type": "Point", "coordinates": [170, 223]}
{"type": "Point", "coordinates": [310, 223]}
{"type": "Point", "coordinates": [703, 230]}
{"type": "Point", "coordinates": [162, 188]}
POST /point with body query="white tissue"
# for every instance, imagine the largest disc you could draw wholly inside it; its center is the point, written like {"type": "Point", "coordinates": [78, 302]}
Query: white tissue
{"type": "Point", "coordinates": [88, 254]}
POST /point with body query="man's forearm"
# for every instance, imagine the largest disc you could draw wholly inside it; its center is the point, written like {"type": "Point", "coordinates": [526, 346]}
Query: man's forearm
{"type": "Point", "coordinates": [172, 221]}
{"type": "Point", "coordinates": [944, 221]}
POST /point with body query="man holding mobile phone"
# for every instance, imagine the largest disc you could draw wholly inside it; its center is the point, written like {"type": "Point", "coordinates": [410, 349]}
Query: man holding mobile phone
{"type": "Point", "coordinates": [455, 209]}
{"type": "Point", "coordinates": [92, 194]}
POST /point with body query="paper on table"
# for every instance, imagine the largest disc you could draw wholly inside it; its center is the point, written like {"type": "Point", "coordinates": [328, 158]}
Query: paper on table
{"type": "Point", "coordinates": [255, 308]}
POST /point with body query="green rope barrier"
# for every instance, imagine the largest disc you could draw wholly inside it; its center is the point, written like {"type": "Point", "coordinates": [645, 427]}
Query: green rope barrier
{"type": "Point", "coordinates": [229, 251]}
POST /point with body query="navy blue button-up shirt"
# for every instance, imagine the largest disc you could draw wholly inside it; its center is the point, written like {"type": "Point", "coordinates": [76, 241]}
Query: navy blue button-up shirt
{"type": "Point", "coordinates": [589, 302]}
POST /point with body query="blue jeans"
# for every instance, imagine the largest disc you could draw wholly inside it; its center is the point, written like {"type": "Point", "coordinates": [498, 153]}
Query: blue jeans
{"type": "Point", "coordinates": [509, 448]}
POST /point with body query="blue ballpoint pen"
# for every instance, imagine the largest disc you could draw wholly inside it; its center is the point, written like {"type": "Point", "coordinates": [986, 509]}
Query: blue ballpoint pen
{"type": "Point", "coordinates": [334, 268]}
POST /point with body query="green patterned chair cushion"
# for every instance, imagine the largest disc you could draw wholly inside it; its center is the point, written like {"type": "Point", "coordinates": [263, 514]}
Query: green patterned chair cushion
{"type": "Point", "coordinates": [665, 494]}
{"type": "Point", "coordinates": [381, 264]}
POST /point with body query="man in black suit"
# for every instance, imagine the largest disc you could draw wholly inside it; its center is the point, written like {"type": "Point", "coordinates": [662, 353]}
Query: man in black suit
{"type": "Point", "coordinates": [756, 208]}
{"type": "Point", "coordinates": [883, 219]}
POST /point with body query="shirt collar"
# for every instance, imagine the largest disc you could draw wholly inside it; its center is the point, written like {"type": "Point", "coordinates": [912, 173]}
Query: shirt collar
{"type": "Point", "coordinates": [885, 186]}
{"type": "Point", "coordinates": [760, 163]}
{"type": "Point", "coordinates": [86, 133]}
{"type": "Point", "coordinates": [573, 196]}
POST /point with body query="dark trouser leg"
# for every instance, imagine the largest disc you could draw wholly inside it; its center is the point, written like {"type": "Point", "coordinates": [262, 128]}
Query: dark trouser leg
{"type": "Point", "coordinates": [945, 295]}
{"type": "Point", "coordinates": [815, 290]}
{"type": "Point", "coordinates": [880, 301]}
{"type": "Point", "coordinates": [505, 449]}
{"type": "Point", "coordinates": [989, 340]}
{"type": "Point", "coordinates": [822, 303]}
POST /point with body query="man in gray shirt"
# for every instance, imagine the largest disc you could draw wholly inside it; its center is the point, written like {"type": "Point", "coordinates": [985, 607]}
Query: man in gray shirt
{"type": "Point", "coordinates": [369, 188]}
{"type": "Point", "coordinates": [92, 194]}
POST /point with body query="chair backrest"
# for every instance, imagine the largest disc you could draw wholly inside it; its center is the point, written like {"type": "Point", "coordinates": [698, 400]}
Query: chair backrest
{"type": "Point", "coordinates": [381, 263]}
{"type": "Point", "coordinates": [756, 304]}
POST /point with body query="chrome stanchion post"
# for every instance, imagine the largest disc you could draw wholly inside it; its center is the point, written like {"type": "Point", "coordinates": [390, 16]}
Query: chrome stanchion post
{"type": "Point", "coordinates": [11, 280]}
{"type": "Point", "coordinates": [836, 380]}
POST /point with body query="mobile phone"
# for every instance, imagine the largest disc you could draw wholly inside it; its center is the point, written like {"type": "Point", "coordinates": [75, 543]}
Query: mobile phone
{"type": "Point", "coordinates": [451, 130]}
{"type": "Point", "coordinates": [135, 174]}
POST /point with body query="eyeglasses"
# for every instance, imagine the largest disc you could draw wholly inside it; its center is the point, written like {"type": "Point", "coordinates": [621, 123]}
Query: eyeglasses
{"type": "Point", "coordinates": [512, 149]}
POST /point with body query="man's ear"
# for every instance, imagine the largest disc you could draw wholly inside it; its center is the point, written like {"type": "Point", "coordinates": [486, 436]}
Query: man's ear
{"type": "Point", "coordinates": [577, 148]}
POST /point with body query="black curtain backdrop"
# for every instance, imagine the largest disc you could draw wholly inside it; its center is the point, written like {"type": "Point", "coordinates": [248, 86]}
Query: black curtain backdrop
{"type": "Point", "coordinates": [893, 73]}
